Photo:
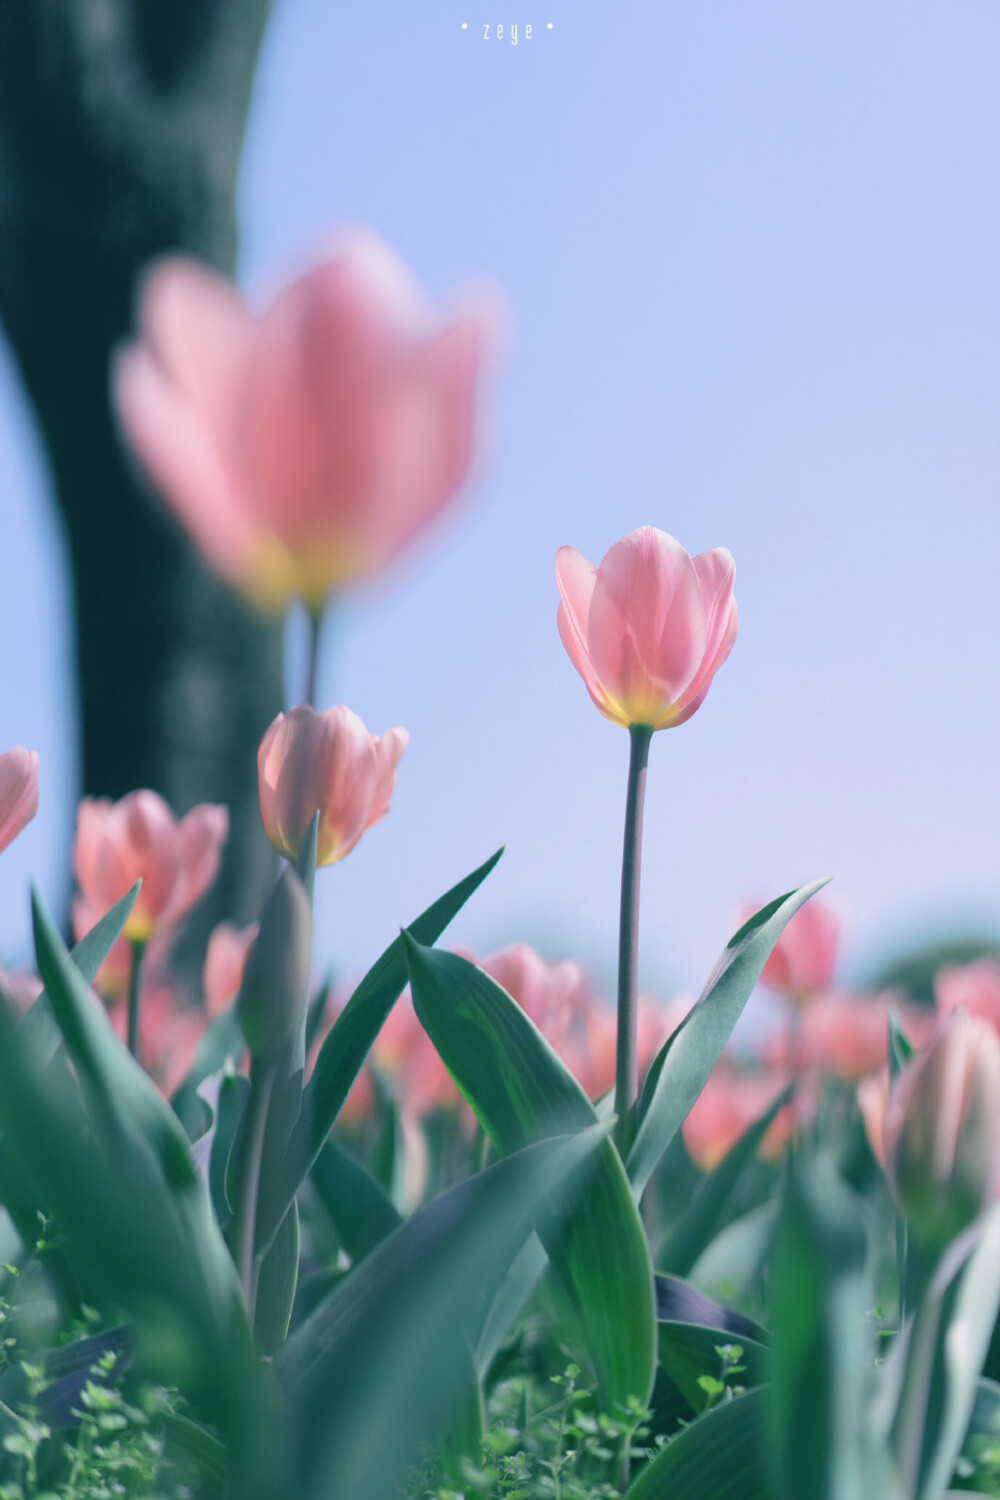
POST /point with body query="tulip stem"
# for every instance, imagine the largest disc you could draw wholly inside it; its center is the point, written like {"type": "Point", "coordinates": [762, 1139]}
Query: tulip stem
{"type": "Point", "coordinates": [627, 1059]}
{"type": "Point", "coordinates": [134, 990]}
{"type": "Point", "coordinates": [315, 612]}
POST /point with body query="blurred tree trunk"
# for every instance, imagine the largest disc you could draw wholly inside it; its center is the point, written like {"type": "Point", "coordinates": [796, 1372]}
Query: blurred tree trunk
{"type": "Point", "coordinates": [121, 123]}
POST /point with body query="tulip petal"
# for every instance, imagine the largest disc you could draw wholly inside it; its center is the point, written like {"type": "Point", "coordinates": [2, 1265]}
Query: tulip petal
{"type": "Point", "coordinates": [200, 332]}
{"type": "Point", "coordinates": [646, 629]}
{"type": "Point", "coordinates": [576, 578]}
{"type": "Point", "coordinates": [18, 792]}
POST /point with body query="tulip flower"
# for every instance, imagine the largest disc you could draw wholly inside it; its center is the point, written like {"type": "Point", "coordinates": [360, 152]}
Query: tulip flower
{"type": "Point", "coordinates": [325, 763]}
{"type": "Point", "coordinates": [225, 962]}
{"type": "Point", "coordinates": [942, 1130]}
{"type": "Point", "coordinates": [975, 987]}
{"type": "Point", "coordinates": [647, 631]}
{"type": "Point", "coordinates": [18, 792]}
{"type": "Point", "coordinates": [138, 838]}
{"type": "Point", "coordinates": [731, 1101]}
{"type": "Point", "coordinates": [802, 960]}
{"type": "Point", "coordinates": [301, 449]}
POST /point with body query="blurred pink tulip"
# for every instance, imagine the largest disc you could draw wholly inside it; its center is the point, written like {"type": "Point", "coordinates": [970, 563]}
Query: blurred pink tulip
{"type": "Point", "coordinates": [169, 1033]}
{"type": "Point", "coordinates": [803, 959]}
{"type": "Point", "coordinates": [649, 628]}
{"type": "Point", "coordinates": [19, 989]}
{"type": "Point", "coordinates": [138, 838]}
{"type": "Point", "coordinates": [873, 1102]}
{"type": "Point", "coordinates": [225, 960]}
{"type": "Point", "coordinates": [942, 1129]}
{"type": "Point", "coordinates": [304, 448]}
{"type": "Point", "coordinates": [18, 792]}
{"type": "Point", "coordinates": [844, 1036]}
{"type": "Point", "coordinates": [975, 987]}
{"type": "Point", "coordinates": [328, 763]}
{"type": "Point", "coordinates": [725, 1109]}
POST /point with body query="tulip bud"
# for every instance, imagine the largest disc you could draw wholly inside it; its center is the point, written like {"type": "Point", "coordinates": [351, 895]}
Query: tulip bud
{"type": "Point", "coordinates": [275, 989]}
{"type": "Point", "coordinates": [942, 1130]}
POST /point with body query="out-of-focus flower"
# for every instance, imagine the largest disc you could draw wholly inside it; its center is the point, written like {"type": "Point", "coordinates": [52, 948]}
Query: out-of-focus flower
{"type": "Point", "coordinates": [728, 1105]}
{"type": "Point", "coordinates": [845, 1036]}
{"type": "Point", "coordinates": [803, 959]}
{"type": "Point", "coordinates": [591, 1058]}
{"type": "Point", "coordinates": [225, 961]}
{"type": "Point", "coordinates": [304, 448]}
{"type": "Point", "coordinates": [138, 838]}
{"type": "Point", "coordinates": [649, 628]}
{"type": "Point", "coordinates": [328, 763]}
{"type": "Point", "coordinates": [18, 792]}
{"type": "Point", "coordinates": [169, 1033]}
{"type": "Point", "coordinates": [975, 987]}
{"type": "Point", "coordinates": [942, 1129]}
{"type": "Point", "coordinates": [873, 1102]}
{"type": "Point", "coordinates": [407, 1058]}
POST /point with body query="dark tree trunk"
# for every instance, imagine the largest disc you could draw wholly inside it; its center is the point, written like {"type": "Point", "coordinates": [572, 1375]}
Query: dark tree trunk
{"type": "Point", "coordinates": [121, 123]}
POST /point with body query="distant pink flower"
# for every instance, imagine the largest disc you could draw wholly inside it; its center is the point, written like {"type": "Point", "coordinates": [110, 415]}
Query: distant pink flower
{"type": "Point", "coordinates": [169, 1033]}
{"type": "Point", "coordinates": [845, 1036]}
{"type": "Point", "coordinates": [649, 628]}
{"type": "Point", "coordinates": [975, 987]}
{"type": "Point", "coordinates": [19, 989]}
{"type": "Point", "coordinates": [325, 763]}
{"type": "Point", "coordinates": [138, 838]}
{"type": "Point", "coordinates": [803, 959]}
{"type": "Point", "coordinates": [303, 448]}
{"type": "Point", "coordinates": [731, 1101]}
{"type": "Point", "coordinates": [18, 792]}
{"type": "Point", "coordinates": [405, 1055]}
{"type": "Point", "coordinates": [225, 960]}
{"type": "Point", "coordinates": [873, 1102]}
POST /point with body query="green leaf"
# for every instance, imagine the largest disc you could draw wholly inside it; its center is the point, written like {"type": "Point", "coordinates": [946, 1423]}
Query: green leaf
{"type": "Point", "coordinates": [730, 1266]}
{"type": "Point", "coordinates": [112, 1163]}
{"type": "Point", "coordinates": [359, 1207]}
{"type": "Point", "coordinates": [343, 1053]}
{"type": "Point", "coordinates": [693, 1232]}
{"type": "Point", "coordinates": [221, 1043]}
{"type": "Point", "coordinates": [901, 1049]}
{"type": "Point", "coordinates": [383, 1366]}
{"type": "Point", "coordinates": [691, 1329]}
{"type": "Point", "coordinates": [937, 1367]}
{"type": "Point", "coordinates": [521, 1091]}
{"type": "Point", "coordinates": [820, 1296]}
{"type": "Point", "coordinates": [682, 1069]}
{"type": "Point", "coordinates": [721, 1456]}
{"type": "Point", "coordinates": [277, 1279]}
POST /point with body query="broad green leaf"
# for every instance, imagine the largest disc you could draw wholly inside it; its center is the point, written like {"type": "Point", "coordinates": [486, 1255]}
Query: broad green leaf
{"type": "Point", "coordinates": [937, 1368]}
{"type": "Point", "coordinates": [721, 1456]}
{"type": "Point", "coordinates": [511, 1296]}
{"type": "Point", "coordinates": [278, 1277]}
{"type": "Point", "coordinates": [981, 1448]}
{"type": "Point", "coordinates": [682, 1069]}
{"type": "Point", "coordinates": [221, 1043]}
{"type": "Point", "coordinates": [691, 1329]}
{"type": "Point", "coordinates": [729, 1267]}
{"type": "Point", "coordinates": [358, 1205]}
{"type": "Point", "coordinates": [521, 1091]}
{"type": "Point", "coordinates": [113, 1164]}
{"type": "Point", "coordinates": [381, 1368]}
{"type": "Point", "coordinates": [821, 1338]}
{"type": "Point", "coordinates": [343, 1053]}
{"type": "Point", "coordinates": [693, 1232]}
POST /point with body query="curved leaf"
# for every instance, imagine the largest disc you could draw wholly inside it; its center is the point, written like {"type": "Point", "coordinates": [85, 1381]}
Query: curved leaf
{"type": "Point", "coordinates": [682, 1068]}
{"type": "Point", "coordinates": [521, 1091]}
{"type": "Point", "coordinates": [721, 1456]}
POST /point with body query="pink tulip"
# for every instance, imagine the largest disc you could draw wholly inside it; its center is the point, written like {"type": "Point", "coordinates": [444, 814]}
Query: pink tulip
{"type": "Point", "coordinates": [19, 989]}
{"type": "Point", "coordinates": [803, 959]}
{"type": "Point", "coordinates": [649, 628]}
{"type": "Point", "coordinates": [844, 1036]}
{"type": "Point", "coordinates": [975, 987]}
{"type": "Point", "coordinates": [225, 960]}
{"type": "Point", "coordinates": [873, 1102]}
{"type": "Point", "coordinates": [942, 1129]}
{"type": "Point", "coordinates": [325, 763]}
{"type": "Point", "coordinates": [169, 1033]}
{"type": "Point", "coordinates": [18, 792]}
{"type": "Point", "coordinates": [304, 448]}
{"type": "Point", "coordinates": [725, 1109]}
{"type": "Point", "coordinates": [118, 843]}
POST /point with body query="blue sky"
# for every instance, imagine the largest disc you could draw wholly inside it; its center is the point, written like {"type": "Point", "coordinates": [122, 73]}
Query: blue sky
{"type": "Point", "coordinates": [751, 255]}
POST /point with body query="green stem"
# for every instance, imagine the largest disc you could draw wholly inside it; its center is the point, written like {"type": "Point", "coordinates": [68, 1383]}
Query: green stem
{"type": "Point", "coordinates": [245, 1218]}
{"type": "Point", "coordinates": [627, 1059]}
{"type": "Point", "coordinates": [315, 635]}
{"type": "Point", "coordinates": [134, 991]}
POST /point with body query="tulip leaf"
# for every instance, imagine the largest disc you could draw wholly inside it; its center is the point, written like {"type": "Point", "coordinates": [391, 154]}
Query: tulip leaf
{"type": "Point", "coordinates": [721, 1456]}
{"type": "Point", "coordinates": [682, 1068]}
{"type": "Point", "coordinates": [383, 1365]}
{"type": "Point", "coordinates": [696, 1228]}
{"type": "Point", "coordinates": [526, 1271]}
{"type": "Point", "coordinates": [521, 1091]}
{"type": "Point", "coordinates": [821, 1345]}
{"type": "Point", "coordinates": [937, 1367]}
{"type": "Point", "coordinates": [358, 1205]}
{"type": "Point", "coordinates": [343, 1053]}
{"type": "Point", "coordinates": [277, 1280]}
{"type": "Point", "coordinates": [221, 1043]}
{"type": "Point", "coordinates": [113, 1165]}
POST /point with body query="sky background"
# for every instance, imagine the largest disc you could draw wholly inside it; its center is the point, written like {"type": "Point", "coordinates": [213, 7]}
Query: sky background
{"type": "Point", "coordinates": [751, 254]}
